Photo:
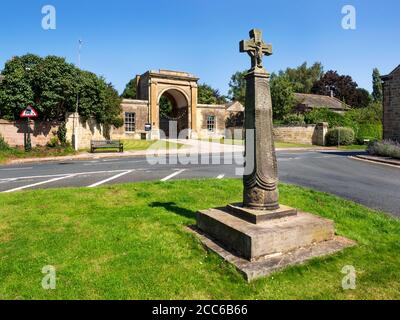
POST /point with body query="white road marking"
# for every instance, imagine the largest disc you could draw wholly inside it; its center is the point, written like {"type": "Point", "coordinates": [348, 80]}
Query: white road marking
{"type": "Point", "coordinates": [172, 175]}
{"type": "Point", "coordinates": [16, 169]}
{"type": "Point", "coordinates": [62, 175]}
{"type": "Point", "coordinates": [110, 179]}
{"type": "Point", "coordinates": [39, 183]}
{"type": "Point", "coordinates": [221, 176]}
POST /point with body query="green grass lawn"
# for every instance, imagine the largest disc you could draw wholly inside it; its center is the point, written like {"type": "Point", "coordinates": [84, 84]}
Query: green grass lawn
{"type": "Point", "coordinates": [135, 145]}
{"type": "Point", "coordinates": [130, 242]}
{"type": "Point", "coordinates": [37, 152]}
{"type": "Point", "coordinates": [354, 147]}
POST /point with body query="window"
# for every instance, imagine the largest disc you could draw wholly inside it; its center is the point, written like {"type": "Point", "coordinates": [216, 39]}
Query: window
{"type": "Point", "coordinates": [211, 123]}
{"type": "Point", "coordinates": [130, 122]}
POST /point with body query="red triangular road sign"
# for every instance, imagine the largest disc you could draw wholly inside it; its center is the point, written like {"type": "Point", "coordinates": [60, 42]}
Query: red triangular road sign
{"type": "Point", "coordinates": [29, 112]}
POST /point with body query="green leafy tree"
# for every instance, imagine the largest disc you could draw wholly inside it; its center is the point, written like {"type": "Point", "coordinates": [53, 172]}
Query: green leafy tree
{"type": "Point", "coordinates": [343, 87]}
{"type": "Point", "coordinates": [303, 77]}
{"type": "Point", "coordinates": [237, 87]}
{"type": "Point", "coordinates": [130, 90]}
{"type": "Point", "coordinates": [282, 94]}
{"type": "Point", "coordinates": [377, 92]}
{"type": "Point", "coordinates": [209, 95]}
{"type": "Point", "coordinates": [51, 86]}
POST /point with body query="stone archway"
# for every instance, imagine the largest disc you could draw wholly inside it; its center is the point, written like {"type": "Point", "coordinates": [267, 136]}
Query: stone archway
{"type": "Point", "coordinates": [173, 106]}
{"type": "Point", "coordinates": [180, 87]}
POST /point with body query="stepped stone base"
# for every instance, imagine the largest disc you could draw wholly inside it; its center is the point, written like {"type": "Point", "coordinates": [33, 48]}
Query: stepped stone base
{"type": "Point", "coordinates": [259, 249]}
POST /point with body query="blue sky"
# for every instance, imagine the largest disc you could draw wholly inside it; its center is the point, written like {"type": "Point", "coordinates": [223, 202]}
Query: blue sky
{"type": "Point", "coordinates": [123, 38]}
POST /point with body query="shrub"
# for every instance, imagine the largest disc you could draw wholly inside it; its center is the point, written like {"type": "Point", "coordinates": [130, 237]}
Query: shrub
{"type": "Point", "coordinates": [3, 144]}
{"type": "Point", "coordinates": [324, 115]}
{"type": "Point", "coordinates": [294, 120]}
{"type": "Point", "coordinates": [54, 142]}
{"type": "Point", "coordinates": [342, 136]}
{"type": "Point", "coordinates": [62, 133]}
{"type": "Point", "coordinates": [385, 148]}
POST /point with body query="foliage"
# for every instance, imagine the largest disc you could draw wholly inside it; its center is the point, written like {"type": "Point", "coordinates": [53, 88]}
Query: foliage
{"type": "Point", "coordinates": [51, 85]}
{"type": "Point", "coordinates": [377, 93]}
{"type": "Point", "coordinates": [303, 78]}
{"type": "Point", "coordinates": [282, 95]}
{"type": "Point", "coordinates": [385, 148]}
{"type": "Point", "coordinates": [343, 87]}
{"type": "Point", "coordinates": [340, 135]}
{"type": "Point", "coordinates": [237, 87]}
{"type": "Point", "coordinates": [3, 144]}
{"type": "Point", "coordinates": [294, 120]}
{"type": "Point", "coordinates": [54, 142]}
{"type": "Point", "coordinates": [166, 106]}
{"type": "Point", "coordinates": [130, 90]}
{"type": "Point", "coordinates": [324, 115]}
{"type": "Point", "coordinates": [62, 133]}
{"type": "Point", "coordinates": [209, 95]}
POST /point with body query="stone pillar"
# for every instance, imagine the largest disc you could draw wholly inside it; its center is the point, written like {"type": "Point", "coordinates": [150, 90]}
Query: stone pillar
{"type": "Point", "coordinates": [154, 111]}
{"type": "Point", "coordinates": [321, 131]}
{"type": "Point", "coordinates": [193, 111]}
{"type": "Point", "coordinates": [261, 185]}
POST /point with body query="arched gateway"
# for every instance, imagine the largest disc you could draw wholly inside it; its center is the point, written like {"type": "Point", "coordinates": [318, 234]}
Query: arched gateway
{"type": "Point", "coordinates": [171, 96]}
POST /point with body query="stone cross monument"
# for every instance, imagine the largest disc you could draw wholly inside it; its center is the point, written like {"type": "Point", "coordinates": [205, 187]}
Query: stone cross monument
{"type": "Point", "coordinates": [261, 183]}
{"type": "Point", "coordinates": [260, 236]}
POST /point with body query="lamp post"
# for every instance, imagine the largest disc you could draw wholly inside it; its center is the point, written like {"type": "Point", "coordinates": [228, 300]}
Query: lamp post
{"type": "Point", "coordinates": [75, 125]}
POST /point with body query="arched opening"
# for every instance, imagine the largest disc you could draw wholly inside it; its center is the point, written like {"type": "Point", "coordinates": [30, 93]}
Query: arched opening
{"type": "Point", "coordinates": [173, 106]}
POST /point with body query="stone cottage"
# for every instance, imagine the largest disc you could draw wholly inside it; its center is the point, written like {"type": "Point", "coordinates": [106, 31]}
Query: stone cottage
{"type": "Point", "coordinates": [391, 105]}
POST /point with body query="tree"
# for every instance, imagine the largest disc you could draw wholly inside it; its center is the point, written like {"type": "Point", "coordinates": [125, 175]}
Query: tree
{"type": "Point", "coordinates": [282, 95]}
{"type": "Point", "coordinates": [377, 92]}
{"type": "Point", "coordinates": [209, 95]}
{"type": "Point", "coordinates": [130, 90]}
{"type": "Point", "coordinates": [343, 87]}
{"type": "Point", "coordinates": [303, 78]}
{"type": "Point", "coordinates": [51, 86]}
{"type": "Point", "coordinates": [237, 87]}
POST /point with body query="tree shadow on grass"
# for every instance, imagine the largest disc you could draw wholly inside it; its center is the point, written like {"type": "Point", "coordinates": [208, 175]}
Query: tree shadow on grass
{"type": "Point", "coordinates": [172, 207]}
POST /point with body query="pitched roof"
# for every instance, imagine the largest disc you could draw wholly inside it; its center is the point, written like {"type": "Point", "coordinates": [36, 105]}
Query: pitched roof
{"type": "Point", "coordinates": [319, 101]}
{"type": "Point", "coordinates": [390, 75]}
{"type": "Point", "coordinates": [234, 106]}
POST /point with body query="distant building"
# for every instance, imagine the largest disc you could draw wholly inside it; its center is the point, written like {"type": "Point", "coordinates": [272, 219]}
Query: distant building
{"type": "Point", "coordinates": [181, 89]}
{"type": "Point", "coordinates": [391, 105]}
{"type": "Point", "coordinates": [1, 78]}
{"type": "Point", "coordinates": [307, 102]}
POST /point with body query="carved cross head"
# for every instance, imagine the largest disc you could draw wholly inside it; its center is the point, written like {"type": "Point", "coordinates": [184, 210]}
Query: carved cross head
{"type": "Point", "coordinates": [256, 48]}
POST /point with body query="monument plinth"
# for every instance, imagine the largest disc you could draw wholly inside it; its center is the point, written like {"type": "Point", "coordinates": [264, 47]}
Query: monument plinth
{"type": "Point", "coordinates": [252, 234]}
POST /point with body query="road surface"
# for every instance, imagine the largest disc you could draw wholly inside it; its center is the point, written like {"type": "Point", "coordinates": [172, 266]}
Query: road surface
{"type": "Point", "coordinates": [374, 185]}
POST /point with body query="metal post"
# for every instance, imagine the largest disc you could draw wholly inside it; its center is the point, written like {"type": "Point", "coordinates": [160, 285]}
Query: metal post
{"type": "Point", "coordinates": [28, 144]}
{"type": "Point", "coordinates": [76, 116]}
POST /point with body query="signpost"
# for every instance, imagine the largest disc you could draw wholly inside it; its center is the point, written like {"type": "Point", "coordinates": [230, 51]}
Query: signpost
{"type": "Point", "coordinates": [28, 113]}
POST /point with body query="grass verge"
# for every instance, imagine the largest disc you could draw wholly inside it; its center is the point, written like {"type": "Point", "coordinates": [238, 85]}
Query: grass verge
{"type": "Point", "coordinates": [37, 152]}
{"type": "Point", "coordinates": [135, 145]}
{"type": "Point", "coordinates": [130, 242]}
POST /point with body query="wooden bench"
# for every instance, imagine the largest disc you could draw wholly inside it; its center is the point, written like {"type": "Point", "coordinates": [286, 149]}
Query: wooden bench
{"type": "Point", "coordinates": [106, 144]}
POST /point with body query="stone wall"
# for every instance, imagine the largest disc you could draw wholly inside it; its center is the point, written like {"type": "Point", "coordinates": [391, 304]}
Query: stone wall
{"type": "Point", "coordinates": [391, 106]}
{"type": "Point", "coordinates": [219, 112]}
{"type": "Point", "coordinates": [308, 134]}
{"type": "Point", "coordinates": [141, 110]}
{"type": "Point", "coordinates": [86, 130]}
{"type": "Point", "coordinates": [41, 132]}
